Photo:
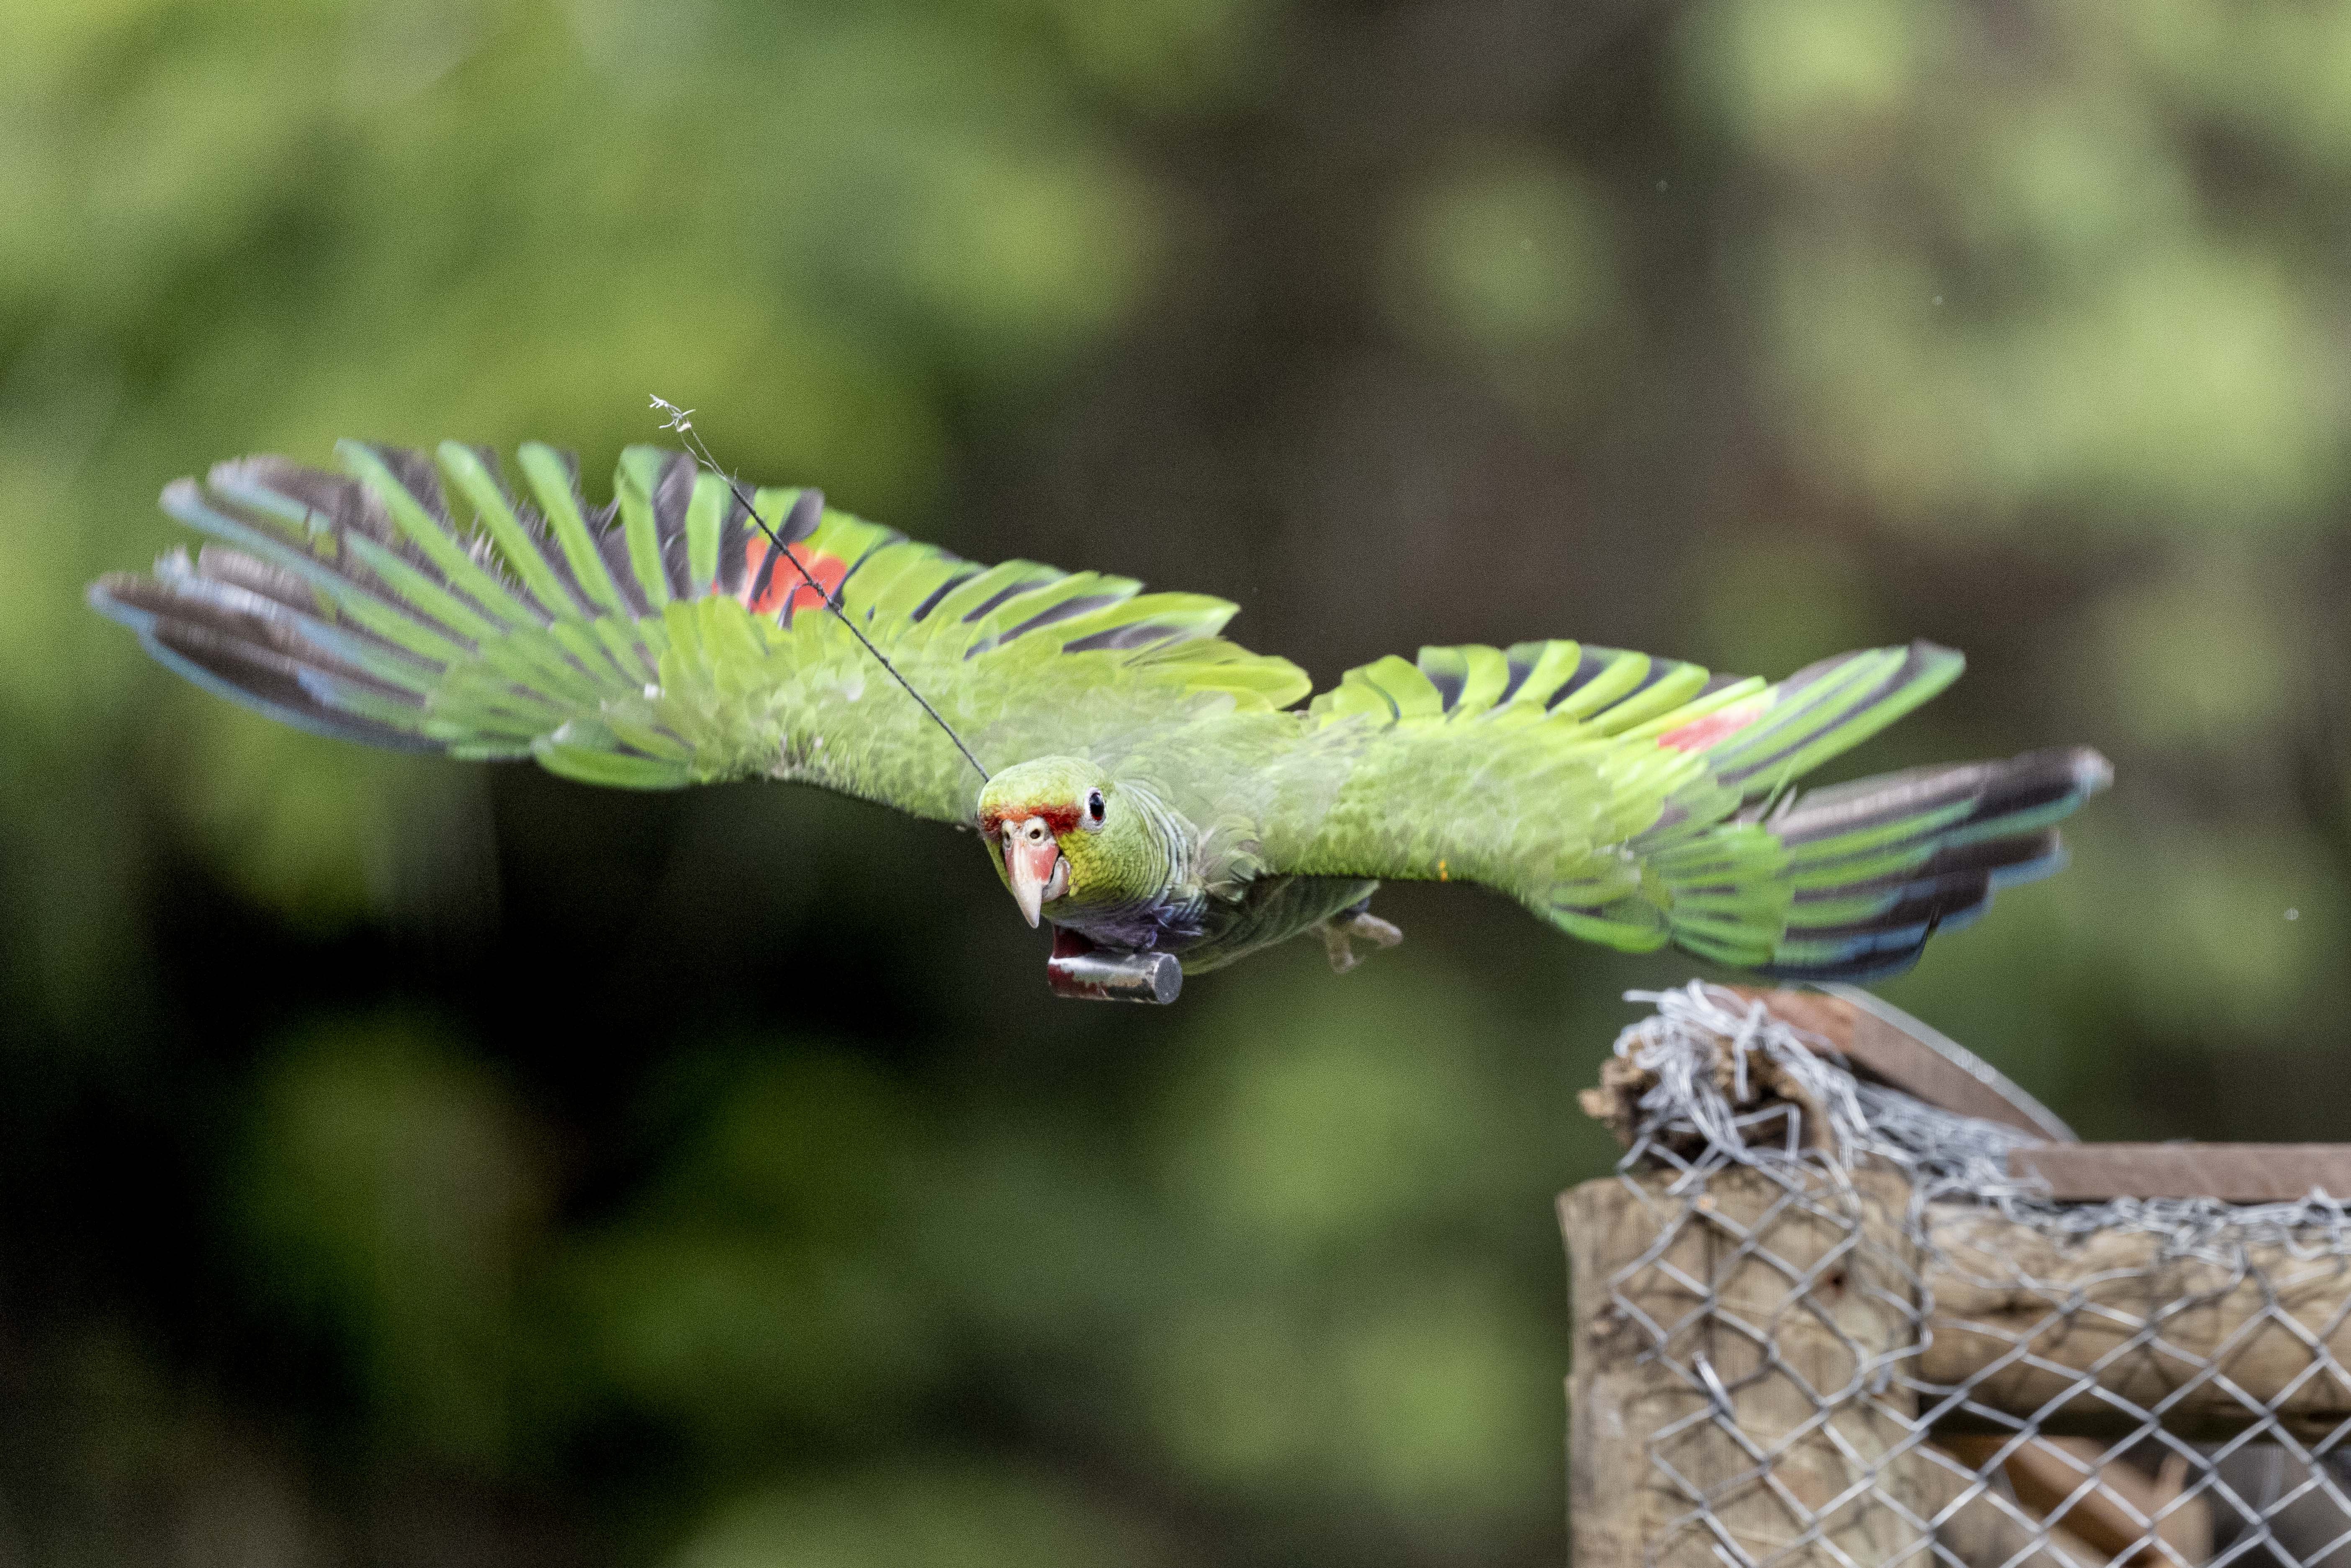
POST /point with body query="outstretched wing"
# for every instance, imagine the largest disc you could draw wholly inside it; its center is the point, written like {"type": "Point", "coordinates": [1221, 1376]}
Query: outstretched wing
{"type": "Point", "coordinates": [1505, 767]}
{"type": "Point", "coordinates": [1635, 801]}
{"type": "Point", "coordinates": [1529, 769]}
{"type": "Point", "coordinates": [660, 640]}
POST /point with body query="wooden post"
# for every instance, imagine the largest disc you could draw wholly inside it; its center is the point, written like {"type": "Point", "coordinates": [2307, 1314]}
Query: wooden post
{"type": "Point", "coordinates": [1733, 1397]}
{"type": "Point", "coordinates": [1756, 1350]}
{"type": "Point", "coordinates": [2216, 1338]}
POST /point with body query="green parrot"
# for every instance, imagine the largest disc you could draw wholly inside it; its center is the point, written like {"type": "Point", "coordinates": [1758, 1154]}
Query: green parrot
{"type": "Point", "coordinates": [1144, 784]}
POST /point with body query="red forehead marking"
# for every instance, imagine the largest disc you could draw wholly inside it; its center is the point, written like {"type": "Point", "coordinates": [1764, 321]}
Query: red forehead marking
{"type": "Point", "coordinates": [786, 590]}
{"type": "Point", "coordinates": [1060, 820]}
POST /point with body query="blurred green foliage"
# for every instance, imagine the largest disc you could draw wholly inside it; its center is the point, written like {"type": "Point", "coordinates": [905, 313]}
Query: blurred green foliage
{"type": "Point", "coordinates": [414, 1163]}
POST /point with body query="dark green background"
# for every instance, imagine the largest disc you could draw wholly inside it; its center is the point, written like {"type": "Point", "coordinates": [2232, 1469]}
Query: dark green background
{"type": "Point", "coordinates": [410, 1164]}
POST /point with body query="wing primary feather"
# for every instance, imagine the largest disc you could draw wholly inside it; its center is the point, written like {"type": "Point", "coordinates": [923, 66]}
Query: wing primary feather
{"type": "Point", "coordinates": [708, 518]}
{"type": "Point", "coordinates": [1518, 668]}
{"type": "Point", "coordinates": [1068, 610]}
{"type": "Point", "coordinates": [1133, 635]}
{"type": "Point", "coordinates": [922, 613]}
{"type": "Point", "coordinates": [673, 496]}
{"type": "Point", "coordinates": [776, 551]}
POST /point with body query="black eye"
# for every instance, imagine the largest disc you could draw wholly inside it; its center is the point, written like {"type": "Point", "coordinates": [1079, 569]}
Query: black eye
{"type": "Point", "coordinates": [1094, 804]}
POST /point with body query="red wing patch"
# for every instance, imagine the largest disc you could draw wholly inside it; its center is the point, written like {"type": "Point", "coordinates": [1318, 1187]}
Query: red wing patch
{"type": "Point", "coordinates": [1700, 732]}
{"type": "Point", "coordinates": [785, 589]}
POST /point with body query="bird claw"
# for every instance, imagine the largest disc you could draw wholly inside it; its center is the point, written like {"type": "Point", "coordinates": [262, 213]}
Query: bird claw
{"type": "Point", "coordinates": [1340, 930]}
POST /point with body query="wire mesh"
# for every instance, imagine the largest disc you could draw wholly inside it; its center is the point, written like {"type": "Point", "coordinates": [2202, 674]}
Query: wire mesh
{"type": "Point", "coordinates": [1823, 1323]}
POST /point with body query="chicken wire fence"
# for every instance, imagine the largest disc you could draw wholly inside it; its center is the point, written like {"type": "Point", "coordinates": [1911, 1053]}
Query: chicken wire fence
{"type": "Point", "coordinates": [1819, 1321]}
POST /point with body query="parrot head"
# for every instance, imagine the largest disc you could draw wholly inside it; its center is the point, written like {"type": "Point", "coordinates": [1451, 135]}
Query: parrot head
{"type": "Point", "coordinates": [1064, 835]}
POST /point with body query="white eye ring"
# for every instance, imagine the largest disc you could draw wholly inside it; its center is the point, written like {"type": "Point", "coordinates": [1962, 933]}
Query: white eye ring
{"type": "Point", "coordinates": [1095, 809]}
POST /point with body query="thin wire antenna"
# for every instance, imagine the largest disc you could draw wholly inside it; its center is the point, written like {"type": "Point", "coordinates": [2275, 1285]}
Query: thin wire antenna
{"type": "Point", "coordinates": [681, 419]}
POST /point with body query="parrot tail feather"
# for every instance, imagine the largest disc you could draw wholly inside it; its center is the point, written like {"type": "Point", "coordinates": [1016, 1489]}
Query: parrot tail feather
{"type": "Point", "coordinates": [1849, 883]}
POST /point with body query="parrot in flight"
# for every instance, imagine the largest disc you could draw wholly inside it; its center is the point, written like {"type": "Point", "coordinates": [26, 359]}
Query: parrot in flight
{"type": "Point", "coordinates": [1148, 787]}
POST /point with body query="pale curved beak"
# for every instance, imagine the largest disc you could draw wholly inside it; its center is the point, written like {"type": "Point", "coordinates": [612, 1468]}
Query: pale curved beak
{"type": "Point", "coordinates": [1034, 866]}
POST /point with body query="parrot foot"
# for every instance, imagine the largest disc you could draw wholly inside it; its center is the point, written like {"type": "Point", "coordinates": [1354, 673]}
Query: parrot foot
{"type": "Point", "coordinates": [1340, 932]}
